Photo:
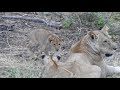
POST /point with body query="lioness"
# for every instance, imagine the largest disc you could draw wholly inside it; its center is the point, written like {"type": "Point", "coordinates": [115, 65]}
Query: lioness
{"type": "Point", "coordinates": [94, 47]}
{"type": "Point", "coordinates": [45, 40]}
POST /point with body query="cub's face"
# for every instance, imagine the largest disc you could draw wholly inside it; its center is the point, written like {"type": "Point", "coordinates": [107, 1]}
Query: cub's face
{"type": "Point", "coordinates": [56, 41]}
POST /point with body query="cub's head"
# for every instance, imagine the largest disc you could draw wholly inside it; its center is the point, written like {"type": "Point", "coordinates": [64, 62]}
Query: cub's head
{"type": "Point", "coordinates": [55, 41]}
{"type": "Point", "coordinates": [101, 42]}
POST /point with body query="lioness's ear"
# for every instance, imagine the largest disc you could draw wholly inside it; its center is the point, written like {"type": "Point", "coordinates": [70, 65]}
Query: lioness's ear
{"type": "Point", "coordinates": [92, 35]}
{"type": "Point", "coordinates": [105, 29]}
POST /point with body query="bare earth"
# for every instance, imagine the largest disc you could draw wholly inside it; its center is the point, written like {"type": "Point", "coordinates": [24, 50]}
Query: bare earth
{"type": "Point", "coordinates": [15, 60]}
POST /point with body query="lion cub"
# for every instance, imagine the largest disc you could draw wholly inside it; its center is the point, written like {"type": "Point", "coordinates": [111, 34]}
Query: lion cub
{"type": "Point", "coordinates": [45, 41]}
{"type": "Point", "coordinates": [55, 68]}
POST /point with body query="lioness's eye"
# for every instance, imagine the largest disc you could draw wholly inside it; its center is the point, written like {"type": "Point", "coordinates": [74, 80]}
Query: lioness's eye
{"type": "Point", "coordinates": [53, 44]}
{"type": "Point", "coordinates": [105, 41]}
{"type": "Point", "coordinates": [59, 44]}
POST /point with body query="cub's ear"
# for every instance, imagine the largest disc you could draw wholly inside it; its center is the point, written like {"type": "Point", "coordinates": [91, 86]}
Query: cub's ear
{"type": "Point", "coordinates": [50, 38]}
{"type": "Point", "coordinates": [92, 35]}
{"type": "Point", "coordinates": [61, 38]}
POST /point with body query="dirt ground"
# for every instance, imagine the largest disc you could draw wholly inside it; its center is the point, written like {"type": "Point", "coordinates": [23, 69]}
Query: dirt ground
{"type": "Point", "coordinates": [15, 60]}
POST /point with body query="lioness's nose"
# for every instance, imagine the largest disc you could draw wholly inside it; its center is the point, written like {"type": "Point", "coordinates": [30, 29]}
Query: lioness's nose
{"type": "Point", "coordinates": [114, 48]}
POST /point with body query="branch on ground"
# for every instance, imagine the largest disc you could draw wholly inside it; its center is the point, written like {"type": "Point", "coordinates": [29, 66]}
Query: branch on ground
{"type": "Point", "coordinates": [54, 24]}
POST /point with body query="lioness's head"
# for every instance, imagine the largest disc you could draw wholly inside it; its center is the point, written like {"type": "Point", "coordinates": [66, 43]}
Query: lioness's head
{"type": "Point", "coordinates": [56, 41]}
{"type": "Point", "coordinates": [101, 42]}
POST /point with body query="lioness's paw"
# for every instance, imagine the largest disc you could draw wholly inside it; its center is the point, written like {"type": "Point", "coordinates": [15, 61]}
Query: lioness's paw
{"type": "Point", "coordinates": [117, 69]}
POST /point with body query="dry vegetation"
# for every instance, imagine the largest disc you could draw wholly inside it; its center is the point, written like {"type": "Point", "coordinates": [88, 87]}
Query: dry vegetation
{"type": "Point", "coordinates": [16, 60]}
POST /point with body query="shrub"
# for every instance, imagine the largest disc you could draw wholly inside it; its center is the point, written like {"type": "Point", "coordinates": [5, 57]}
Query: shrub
{"type": "Point", "coordinates": [100, 22]}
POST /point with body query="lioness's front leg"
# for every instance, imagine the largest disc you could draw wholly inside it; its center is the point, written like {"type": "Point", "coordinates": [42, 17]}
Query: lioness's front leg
{"type": "Point", "coordinates": [107, 69]}
{"type": "Point", "coordinates": [112, 69]}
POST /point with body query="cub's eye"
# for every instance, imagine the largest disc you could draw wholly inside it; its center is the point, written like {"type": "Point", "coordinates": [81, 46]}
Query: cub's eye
{"type": "Point", "coordinates": [59, 44]}
{"type": "Point", "coordinates": [53, 44]}
{"type": "Point", "coordinates": [105, 41]}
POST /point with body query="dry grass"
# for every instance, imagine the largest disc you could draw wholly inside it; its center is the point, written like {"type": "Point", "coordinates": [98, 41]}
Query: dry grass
{"type": "Point", "coordinates": [11, 67]}
{"type": "Point", "coordinates": [15, 59]}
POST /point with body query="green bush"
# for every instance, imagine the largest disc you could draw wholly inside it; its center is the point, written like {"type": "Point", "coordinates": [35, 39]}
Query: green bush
{"type": "Point", "coordinates": [100, 22]}
{"type": "Point", "coordinates": [66, 23]}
